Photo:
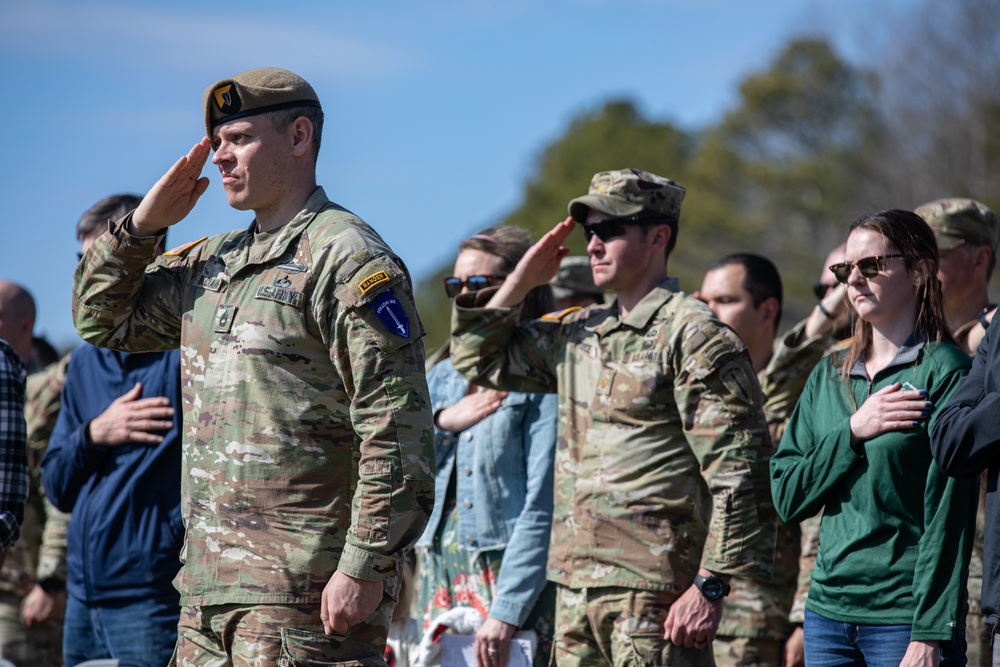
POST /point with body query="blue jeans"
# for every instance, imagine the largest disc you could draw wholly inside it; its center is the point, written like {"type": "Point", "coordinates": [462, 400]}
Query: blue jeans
{"type": "Point", "coordinates": [835, 644]}
{"type": "Point", "coordinates": [144, 630]}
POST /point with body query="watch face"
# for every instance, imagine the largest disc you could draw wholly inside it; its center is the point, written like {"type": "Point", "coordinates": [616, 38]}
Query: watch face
{"type": "Point", "coordinates": [713, 589]}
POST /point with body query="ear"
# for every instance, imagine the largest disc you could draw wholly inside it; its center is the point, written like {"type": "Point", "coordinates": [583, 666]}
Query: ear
{"type": "Point", "coordinates": [661, 237]}
{"type": "Point", "coordinates": [301, 133]}
{"type": "Point", "coordinates": [981, 257]}
{"type": "Point", "coordinates": [769, 310]}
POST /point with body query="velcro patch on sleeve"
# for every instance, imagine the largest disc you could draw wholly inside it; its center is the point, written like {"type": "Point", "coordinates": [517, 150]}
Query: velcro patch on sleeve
{"type": "Point", "coordinates": [181, 249]}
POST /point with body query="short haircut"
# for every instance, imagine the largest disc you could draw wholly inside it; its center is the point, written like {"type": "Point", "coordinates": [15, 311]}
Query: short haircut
{"type": "Point", "coordinates": [95, 219]}
{"type": "Point", "coordinates": [761, 278]}
{"type": "Point", "coordinates": [43, 351]}
{"type": "Point", "coordinates": [280, 120]}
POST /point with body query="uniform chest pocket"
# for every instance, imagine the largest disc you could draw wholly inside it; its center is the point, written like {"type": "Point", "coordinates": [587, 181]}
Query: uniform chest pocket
{"type": "Point", "coordinates": [636, 384]}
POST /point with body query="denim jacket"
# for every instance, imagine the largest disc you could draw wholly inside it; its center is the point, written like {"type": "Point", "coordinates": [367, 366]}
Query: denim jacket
{"type": "Point", "coordinates": [503, 474]}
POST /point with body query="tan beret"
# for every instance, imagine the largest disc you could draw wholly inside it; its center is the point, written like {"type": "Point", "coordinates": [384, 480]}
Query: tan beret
{"type": "Point", "coordinates": [255, 92]}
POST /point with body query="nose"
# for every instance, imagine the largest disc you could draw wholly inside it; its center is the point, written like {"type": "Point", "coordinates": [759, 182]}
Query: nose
{"type": "Point", "coordinates": [595, 245]}
{"type": "Point", "coordinates": [221, 154]}
{"type": "Point", "coordinates": [855, 277]}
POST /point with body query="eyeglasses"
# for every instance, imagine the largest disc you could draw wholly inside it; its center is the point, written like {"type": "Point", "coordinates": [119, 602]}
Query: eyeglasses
{"type": "Point", "coordinates": [868, 266]}
{"type": "Point", "coordinates": [614, 227]}
{"type": "Point", "coordinates": [821, 289]}
{"type": "Point", "coordinates": [453, 286]}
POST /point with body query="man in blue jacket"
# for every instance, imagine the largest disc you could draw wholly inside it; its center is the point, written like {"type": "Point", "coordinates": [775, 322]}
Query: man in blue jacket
{"type": "Point", "coordinates": [114, 462]}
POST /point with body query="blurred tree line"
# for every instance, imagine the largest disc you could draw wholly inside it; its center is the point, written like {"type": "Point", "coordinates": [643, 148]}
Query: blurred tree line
{"type": "Point", "coordinates": [812, 142]}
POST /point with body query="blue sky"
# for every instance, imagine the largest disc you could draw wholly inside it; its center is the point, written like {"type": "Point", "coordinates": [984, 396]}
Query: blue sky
{"type": "Point", "coordinates": [436, 111]}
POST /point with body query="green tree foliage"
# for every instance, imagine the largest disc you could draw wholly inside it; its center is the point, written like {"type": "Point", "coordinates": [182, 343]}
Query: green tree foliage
{"type": "Point", "coordinates": [812, 142]}
{"type": "Point", "coordinates": [614, 136]}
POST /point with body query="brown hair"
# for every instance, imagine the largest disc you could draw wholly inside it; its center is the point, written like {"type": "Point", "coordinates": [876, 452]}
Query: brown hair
{"type": "Point", "coordinates": [509, 243]}
{"type": "Point", "coordinates": [907, 234]}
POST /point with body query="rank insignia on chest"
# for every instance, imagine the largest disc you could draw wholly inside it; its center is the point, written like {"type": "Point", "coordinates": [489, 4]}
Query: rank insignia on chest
{"type": "Point", "coordinates": [391, 313]}
{"type": "Point", "coordinates": [224, 318]}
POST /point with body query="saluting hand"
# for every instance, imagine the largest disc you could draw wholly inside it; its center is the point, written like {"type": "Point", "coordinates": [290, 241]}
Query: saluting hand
{"type": "Point", "coordinates": [538, 266]}
{"type": "Point", "coordinates": [175, 194]}
{"type": "Point", "coordinates": [131, 418]}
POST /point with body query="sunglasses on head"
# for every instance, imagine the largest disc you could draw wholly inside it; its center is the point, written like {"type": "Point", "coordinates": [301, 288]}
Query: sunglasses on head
{"type": "Point", "coordinates": [869, 267]}
{"type": "Point", "coordinates": [614, 227]}
{"type": "Point", "coordinates": [453, 286]}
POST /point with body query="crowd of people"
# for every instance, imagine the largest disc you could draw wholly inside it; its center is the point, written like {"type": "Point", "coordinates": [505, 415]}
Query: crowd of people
{"type": "Point", "coordinates": [251, 460]}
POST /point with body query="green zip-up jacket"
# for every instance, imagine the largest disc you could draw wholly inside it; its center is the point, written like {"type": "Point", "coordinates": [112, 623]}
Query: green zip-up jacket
{"type": "Point", "coordinates": [896, 533]}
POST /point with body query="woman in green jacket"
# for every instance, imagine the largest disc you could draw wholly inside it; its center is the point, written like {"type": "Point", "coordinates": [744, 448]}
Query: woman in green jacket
{"type": "Point", "coordinates": [896, 534]}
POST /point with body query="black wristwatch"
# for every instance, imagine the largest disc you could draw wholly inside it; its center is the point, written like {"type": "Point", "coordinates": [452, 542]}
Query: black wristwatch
{"type": "Point", "coordinates": [52, 585]}
{"type": "Point", "coordinates": [712, 588]}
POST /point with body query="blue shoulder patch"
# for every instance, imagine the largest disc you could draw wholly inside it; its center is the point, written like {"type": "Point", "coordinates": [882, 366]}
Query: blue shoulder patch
{"type": "Point", "coordinates": [389, 310]}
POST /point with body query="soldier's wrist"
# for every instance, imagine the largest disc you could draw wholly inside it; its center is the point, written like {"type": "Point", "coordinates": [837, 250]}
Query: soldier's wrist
{"type": "Point", "coordinates": [52, 585]}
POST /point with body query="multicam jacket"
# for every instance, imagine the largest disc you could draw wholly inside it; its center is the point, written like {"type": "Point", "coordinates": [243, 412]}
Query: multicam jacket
{"type": "Point", "coordinates": [662, 449]}
{"type": "Point", "coordinates": [308, 443]}
{"type": "Point", "coordinates": [757, 608]}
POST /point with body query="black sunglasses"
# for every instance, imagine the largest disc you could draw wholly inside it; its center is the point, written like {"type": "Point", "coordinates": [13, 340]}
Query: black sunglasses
{"type": "Point", "coordinates": [453, 286]}
{"type": "Point", "coordinates": [868, 266]}
{"type": "Point", "coordinates": [613, 227]}
{"type": "Point", "coordinates": [821, 289]}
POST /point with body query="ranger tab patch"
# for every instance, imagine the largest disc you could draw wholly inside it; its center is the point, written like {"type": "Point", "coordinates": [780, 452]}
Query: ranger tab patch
{"type": "Point", "coordinates": [373, 280]}
{"type": "Point", "coordinates": [559, 314]}
{"type": "Point", "coordinates": [390, 311]}
{"type": "Point", "coordinates": [181, 249]}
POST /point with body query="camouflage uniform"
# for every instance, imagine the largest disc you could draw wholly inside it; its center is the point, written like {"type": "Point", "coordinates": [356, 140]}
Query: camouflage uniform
{"type": "Point", "coordinates": [661, 459]}
{"type": "Point", "coordinates": [756, 617]}
{"type": "Point", "coordinates": [40, 553]}
{"type": "Point", "coordinates": [308, 444]}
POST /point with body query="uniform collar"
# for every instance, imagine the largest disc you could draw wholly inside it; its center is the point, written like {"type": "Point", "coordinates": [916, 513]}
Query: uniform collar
{"type": "Point", "coordinates": [242, 251]}
{"type": "Point", "coordinates": [644, 311]}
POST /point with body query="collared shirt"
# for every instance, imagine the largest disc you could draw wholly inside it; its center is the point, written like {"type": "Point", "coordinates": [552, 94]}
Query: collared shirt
{"type": "Point", "coordinates": [308, 443]}
{"type": "Point", "coordinates": [40, 553]}
{"type": "Point", "coordinates": [662, 450]}
{"type": "Point", "coordinates": [13, 439]}
{"type": "Point", "coordinates": [896, 532]}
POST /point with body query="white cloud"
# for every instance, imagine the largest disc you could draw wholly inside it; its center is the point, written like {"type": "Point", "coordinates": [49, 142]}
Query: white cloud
{"type": "Point", "coordinates": [122, 37]}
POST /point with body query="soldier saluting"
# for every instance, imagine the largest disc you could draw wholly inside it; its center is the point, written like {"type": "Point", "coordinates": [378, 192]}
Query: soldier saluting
{"type": "Point", "coordinates": [308, 445]}
{"type": "Point", "coordinates": [661, 480]}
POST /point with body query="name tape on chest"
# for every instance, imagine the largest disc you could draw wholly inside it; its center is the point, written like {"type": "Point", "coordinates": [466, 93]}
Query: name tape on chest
{"type": "Point", "coordinates": [281, 295]}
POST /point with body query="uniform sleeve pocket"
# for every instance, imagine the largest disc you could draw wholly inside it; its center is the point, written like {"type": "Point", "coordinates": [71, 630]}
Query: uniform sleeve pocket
{"type": "Point", "coordinates": [373, 516]}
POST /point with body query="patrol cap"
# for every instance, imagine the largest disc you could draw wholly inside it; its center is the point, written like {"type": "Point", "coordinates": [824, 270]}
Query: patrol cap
{"type": "Point", "coordinates": [625, 192]}
{"type": "Point", "coordinates": [255, 92]}
{"type": "Point", "coordinates": [575, 277]}
{"type": "Point", "coordinates": [956, 221]}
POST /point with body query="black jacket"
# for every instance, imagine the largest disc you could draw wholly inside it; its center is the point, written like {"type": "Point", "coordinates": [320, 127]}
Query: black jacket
{"type": "Point", "coordinates": [966, 440]}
